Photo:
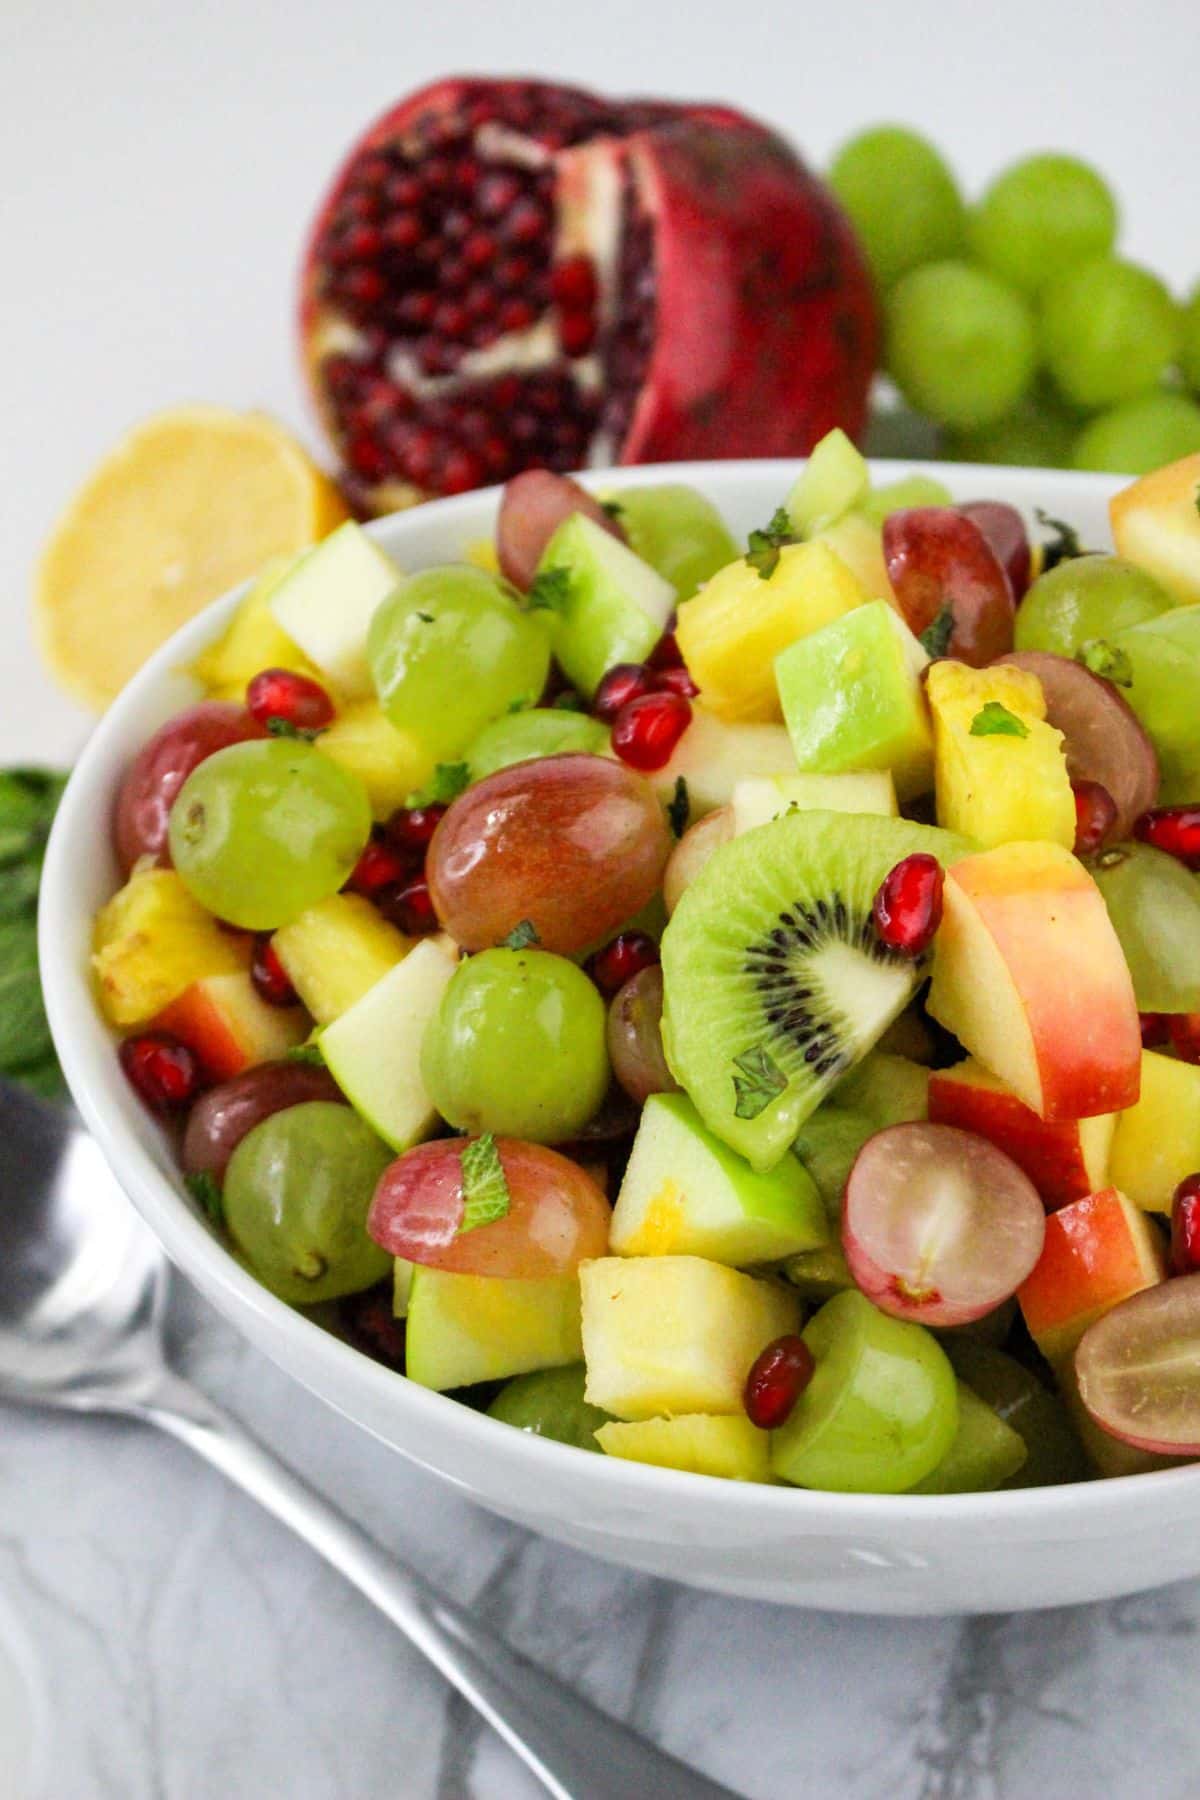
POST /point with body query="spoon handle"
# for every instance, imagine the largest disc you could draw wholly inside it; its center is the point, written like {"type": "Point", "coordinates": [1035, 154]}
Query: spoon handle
{"type": "Point", "coordinates": [576, 1751]}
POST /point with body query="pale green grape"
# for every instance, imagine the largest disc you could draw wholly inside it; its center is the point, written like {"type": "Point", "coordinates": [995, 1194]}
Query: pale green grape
{"type": "Point", "coordinates": [902, 199]}
{"type": "Point", "coordinates": [517, 1047]}
{"type": "Point", "coordinates": [550, 1403]}
{"type": "Point", "coordinates": [960, 344]}
{"type": "Point", "coordinates": [1154, 905]}
{"type": "Point", "coordinates": [296, 1196]}
{"type": "Point", "coordinates": [1140, 435]}
{"type": "Point", "coordinates": [541, 731]}
{"type": "Point", "coordinates": [1040, 217]}
{"type": "Point", "coordinates": [1036, 436]}
{"type": "Point", "coordinates": [910, 490]}
{"type": "Point", "coordinates": [451, 650]}
{"type": "Point", "coordinates": [1189, 352]}
{"type": "Point", "coordinates": [1108, 331]}
{"type": "Point", "coordinates": [1164, 660]}
{"type": "Point", "coordinates": [1083, 598]}
{"type": "Point", "coordinates": [678, 532]}
{"type": "Point", "coordinates": [263, 830]}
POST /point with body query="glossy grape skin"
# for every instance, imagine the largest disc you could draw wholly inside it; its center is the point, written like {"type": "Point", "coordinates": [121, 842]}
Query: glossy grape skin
{"type": "Point", "coordinates": [451, 650]}
{"type": "Point", "coordinates": [296, 1196]}
{"type": "Point", "coordinates": [1054, 1454]}
{"type": "Point", "coordinates": [1154, 905]}
{"type": "Point", "coordinates": [1140, 435]}
{"type": "Point", "coordinates": [902, 199]}
{"type": "Point", "coordinates": [635, 1045]}
{"type": "Point", "coordinates": [160, 768]}
{"type": "Point", "coordinates": [557, 1218]}
{"type": "Point", "coordinates": [574, 844]}
{"type": "Point", "coordinates": [550, 1403]}
{"type": "Point", "coordinates": [539, 731]}
{"type": "Point", "coordinates": [1108, 330]}
{"type": "Point", "coordinates": [937, 557]}
{"type": "Point", "coordinates": [532, 507]}
{"type": "Point", "coordinates": [1004, 529]}
{"type": "Point", "coordinates": [960, 345]}
{"type": "Point", "coordinates": [1083, 598]}
{"type": "Point", "coordinates": [517, 1047]}
{"type": "Point", "coordinates": [223, 1116]}
{"type": "Point", "coordinates": [677, 531]}
{"type": "Point", "coordinates": [698, 843]}
{"type": "Point", "coordinates": [1040, 217]}
{"type": "Point", "coordinates": [262, 831]}
{"type": "Point", "coordinates": [1138, 1368]}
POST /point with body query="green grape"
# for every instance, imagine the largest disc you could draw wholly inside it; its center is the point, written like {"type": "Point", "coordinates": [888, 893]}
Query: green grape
{"type": "Point", "coordinates": [1154, 905]}
{"type": "Point", "coordinates": [910, 490]}
{"type": "Point", "coordinates": [1108, 331]}
{"type": "Point", "coordinates": [1189, 351]}
{"type": "Point", "coordinates": [541, 731]}
{"type": "Point", "coordinates": [1164, 662]}
{"type": "Point", "coordinates": [261, 831]}
{"type": "Point", "coordinates": [296, 1196]}
{"type": "Point", "coordinates": [451, 650]}
{"type": "Point", "coordinates": [960, 345]}
{"type": "Point", "coordinates": [1140, 435]}
{"type": "Point", "coordinates": [678, 532]}
{"type": "Point", "coordinates": [1041, 217]}
{"type": "Point", "coordinates": [902, 199]}
{"type": "Point", "coordinates": [881, 1410]}
{"type": "Point", "coordinates": [1036, 436]}
{"type": "Point", "coordinates": [1083, 598]}
{"type": "Point", "coordinates": [1053, 1453]}
{"type": "Point", "coordinates": [518, 1047]}
{"type": "Point", "coordinates": [550, 1404]}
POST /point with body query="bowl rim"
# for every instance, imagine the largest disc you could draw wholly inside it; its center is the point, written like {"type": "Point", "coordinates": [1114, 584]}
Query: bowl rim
{"type": "Point", "coordinates": [85, 809]}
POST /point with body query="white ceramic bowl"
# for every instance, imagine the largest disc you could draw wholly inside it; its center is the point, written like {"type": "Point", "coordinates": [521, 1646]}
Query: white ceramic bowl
{"type": "Point", "coordinates": [852, 1553]}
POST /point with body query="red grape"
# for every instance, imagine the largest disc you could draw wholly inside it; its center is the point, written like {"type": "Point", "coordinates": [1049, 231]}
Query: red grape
{"type": "Point", "coordinates": [1138, 1368]}
{"type": "Point", "coordinates": [1004, 529]}
{"type": "Point", "coordinates": [221, 1118]}
{"type": "Point", "coordinates": [939, 561]}
{"type": "Point", "coordinates": [635, 1046]}
{"type": "Point", "coordinates": [161, 767]}
{"type": "Point", "coordinates": [532, 507]}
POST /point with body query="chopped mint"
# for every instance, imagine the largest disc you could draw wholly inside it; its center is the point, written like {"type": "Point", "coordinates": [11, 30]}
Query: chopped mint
{"type": "Point", "coordinates": [569, 701]}
{"type": "Point", "coordinates": [1107, 660]}
{"type": "Point", "coordinates": [522, 935]}
{"type": "Point", "coordinates": [549, 591]}
{"type": "Point", "coordinates": [935, 638]}
{"type": "Point", "coordinates": [485, 1191]}
{"type": "Point", "coordinates": [283, 728]}
{"type": "Point", "coordinates": [763, 547]}
{"type": "Point", "coordinates": [425, 618]}
{"type": "Point", "coordinates": [310, 1054]}
{"type": "Point", "coordinates": [612, 508]}
{"type": "Point", "coordinates": [206, 1192]}
{"type": "Point", "coordinates": [995, 720]}
{"type": "Point", "coordinates": [760, 1081]}
{"type": "Point", "coordinates": [446, 784]}
{"type": "Point", "coordinates": [1063, 545]}
{"type": "Point", "coordinates": [680, 809]}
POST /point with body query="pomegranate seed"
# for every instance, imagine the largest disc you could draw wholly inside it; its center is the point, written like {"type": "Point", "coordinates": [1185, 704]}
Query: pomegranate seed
{"type": "Point", "coordinates": [908, 907]}
{"type": "Point", "coordinates": [282, 694]}
{"type": "Point", "coordinates": [525, 224]}
{"type": "Point", "coordinates": [776, 1381]}
{"type": "Point", "coordinates": [1156, 1029]}
{"type": "Point", "coordinates": [1184, 1031]}
{"type": "Point", "coordinates": [1175, 829]}
{"type": "Point", "coordinates": [1095, 815]}
{"type": "Point", "coordinates": [1185, 1227]}
{"type": "Point", "coordinates": [646, 731]}
{"type": "Point", "coordinates": [666, 653]}
{"type": "Point", "coordinates": [573, 284]}
{"type": "Point", "coordinates": [478, 249]}
{"type": "Point", "coordinates": [411, 827]}
{"type": "Point", "coordinates": [624, 682]}
{"type": "Point", "coordinates": [381, 865]}
{"type": "Point", "coordinates": [408, 907]}
{"type": "Point", "coordinates": [271, 980]}
{"type": "Point", "coordinates": [576, 333]}
{"type": "Point", "coordinates": [675, 681]}
{"type": "Point", "coordinates": [498, 194]}
{"type": "Point", "coordinates": [460, 471]}
{"type": "Point", "coordinates": [515, 315]}
{"type": "Point", "coordinates": [619, 961]}
{"type": "Point", "coordinates": [365, 285]}
{"type": "Point", "coordinates": [162, 1071]}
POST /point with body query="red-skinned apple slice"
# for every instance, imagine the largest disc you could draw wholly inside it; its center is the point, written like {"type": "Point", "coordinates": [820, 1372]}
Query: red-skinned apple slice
{"type": "Point", "coordinates": [1138, 1369]}
{"type": "Point", "coordinates": [938, 1225]}
{"type": "Point", "coordinates": [1064, 1161]}
{"type": "Point", "coordinates": [229, 1028]}
{"type": "Point", "coordinates": [1097, 1252]}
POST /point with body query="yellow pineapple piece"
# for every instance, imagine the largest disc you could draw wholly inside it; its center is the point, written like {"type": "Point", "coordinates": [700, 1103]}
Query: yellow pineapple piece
{"type": "Point", "coordinates": [733, 629]}
{"type": "Point", "coordinates": [337, 950]}
{"type": "Point", "coordinates": [151, 942]}
{"type": "Point", "coordinates": [1000, 769]}
{"type": "Point", "coordinates": [704, 1443]}
{"type": "Point", "coordinates": [389, 763]}
{"type": "Point", "coordinates": [858, 541]}
{"type": "Point", "coordinates": [1157, 1141]}
{"type": "Point", "coordinates": [253, 640]}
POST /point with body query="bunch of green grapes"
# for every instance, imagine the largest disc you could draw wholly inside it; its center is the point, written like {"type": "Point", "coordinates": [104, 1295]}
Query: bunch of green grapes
{"type": "Point", "coordinates": [1013, 324]}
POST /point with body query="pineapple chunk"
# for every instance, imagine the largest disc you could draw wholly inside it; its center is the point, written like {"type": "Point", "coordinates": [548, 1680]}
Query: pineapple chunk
{"type": "Point", "coordinates": [253, 640]}
{"type": "Point", "coordinates": [1156, 524]}
{"type": "Point", "coordinates": [675, 1334]}
{"type": "Point", "coordinates": [1157, 1141]}
{"type": "Point", "coordinates": [1007, 786]}
{"type": "Point", "coordinates": [858, 541]}
{"type": "Point", "coordinates": [388, 762]}
{"type": "Point", "coordinates": [467, 1328]}
{"type": "Point", "coordinates": [151, 942]}
{"type": "Point", "coordinates": [337, 950]}
{"type": "Point", "coordinates": [732, 631]}
{"type": "Point", "coordinates": [698, 1442]}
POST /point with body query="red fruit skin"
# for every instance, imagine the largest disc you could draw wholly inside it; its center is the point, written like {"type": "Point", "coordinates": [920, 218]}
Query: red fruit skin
{"type": "Point", "coordinates": [908, 907]}
{"type": "Point", "coordinates": [1156, 1029]}
{"type": "Point", "coordinates": [1004, 529]}
{"type": "Point", "coordinates": [1183, 1029]}
{"type": "Point", "coordinates": [532, 507]}
{"type": "Point", "coordinates": [1175, 829]}
{"type": "Point", "coordinates": [270, 978]}
{"type": "Point", "coordinates": [1095, 816]}
{"type": "Point", "coordinates": [159, 770]}
{"type": "Point", "coordinates": [296, 699]}
{"type": "Point", "coordinates": [624, 682]}
{"type": "Point", "coordinates": [778, 1377]}
{"type": "Point", "coordinates": [646, 730]}
{"type": "Point", "coordinates": [938, 557]}
{"type": "Point", "coordinates": [1185, 1227]}
{"type": "Point", "coordinates": [619, 961]}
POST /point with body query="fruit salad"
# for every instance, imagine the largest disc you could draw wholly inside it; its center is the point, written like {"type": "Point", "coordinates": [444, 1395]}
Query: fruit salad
{"type": "Point", "coordinates": [734, 1008]}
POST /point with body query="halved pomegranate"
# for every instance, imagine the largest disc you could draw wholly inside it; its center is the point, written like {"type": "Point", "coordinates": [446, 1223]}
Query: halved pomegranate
{"type": "Point", "coordinates": [510, 274]}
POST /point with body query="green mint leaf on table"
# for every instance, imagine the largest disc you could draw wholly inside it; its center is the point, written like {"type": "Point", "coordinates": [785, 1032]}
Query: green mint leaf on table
{"type": "Point", "coordinates": [761, 1080]}
{"type": "Point", "coordinates": [283, 728]}
{"type": "Point", "coordinates": [522, 936]}
{"type": "Point", "coordinates": [311, 1054]}
{"type": "Point", "coordinates": [28, 801]}
{"type": "Point", "coordinates": [549, 591]}
{"type": "Point", "coordinates": [24, 1032]}
{"type": "Point", "coordinates": [995, 720]}
{"type": "Point", "coordinates": [446, 784]}
{"type": "Point", "coordinates": [1063, 545]}
{"type": "Point", "coordinates": [206, 1192]}
{"type": "Point", "coordinates": [937, 634]}
{"type": "Point", "coordinates": [485, 1191]}
{"type": "Point", "coordinates": [763, 547]}
{"type": "Point", "coordinates": [680, 809]}
{"type": "Point", "coordinates": [1107, 660]}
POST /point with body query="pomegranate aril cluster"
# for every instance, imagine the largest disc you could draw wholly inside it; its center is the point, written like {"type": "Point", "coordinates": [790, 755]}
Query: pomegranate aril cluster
{"type": "Point", "coordinates": [620, 960]}
{"type": "Point", "coordinates": [391, 870]}
{"type": "Point", "coordinates": [648, 706]}
{"type": "Point", "coordinates": [163, 1072]}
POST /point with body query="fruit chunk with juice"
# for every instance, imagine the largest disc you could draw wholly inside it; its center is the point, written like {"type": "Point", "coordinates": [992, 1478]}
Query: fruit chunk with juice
{"type": "Point", "coordinates": [1097, 1251]}
{"type": "Point", "coordinates": [701, 1443]}
{"type": "Point", "coordinates": [462, 1329]}
{"type": "Point", "coordinates": [336, 952]}
{"type": "Point", "coordinates": [390, 763]}
{"type": "Point", "coordinates": [1065, 1159]}
{"type": "Point", "coordinates": [1000, 769]}
{"type": "Point", "coordinates": [1157, 1141]}
{"type": "Point", "coordinates": [603, 604]}
{"type": "Point", "coordinates": [151, 942]}
{"type": "Point", "coordinates": [326, 601]}
{"type": "Point", "coordinates": [757, 802]}
{"type": "Point", "coordinates": [1156, 525]}
{"type": "Point", "coordinates": [228, 1026]}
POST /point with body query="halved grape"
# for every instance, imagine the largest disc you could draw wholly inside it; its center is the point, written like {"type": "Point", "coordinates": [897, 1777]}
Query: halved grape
{"type": "Point", "coordinates": [557, 1216]}
{"type": "Point", "coordinates": [160, 768]}
{"type": "Point", "coordinates": [532, 507]}
{"type": "Point", "coordinates": [635, 1045]}
{"type": "Point", "coordinates": [1154, 905]}
{"type": "Point", "coordinates": [1138, 1369]}
{"type": "Point", "coordinates": [1083, 598]}
{"type": "Point", "coordinates": [1004, 529]}
{"type": "Point", "coordinates": [550, 1403]}
{"type": "Point", "coordinates": [949, 582]}
{"type": "Point", "coordinates": [1054, 1454]}
{"type": "Point", "coordinates": [938, 1225]}
{"type": "Point", "coordinates": [223, 1116]}
{"type": "Point", "coordinates": [539, 731]}
{"type": "Point", "coordinates": [693, 851]}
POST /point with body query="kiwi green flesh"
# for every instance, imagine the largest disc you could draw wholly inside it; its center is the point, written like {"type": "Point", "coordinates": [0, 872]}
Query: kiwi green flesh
{"type": "Point", "coordinates": [775, 981]}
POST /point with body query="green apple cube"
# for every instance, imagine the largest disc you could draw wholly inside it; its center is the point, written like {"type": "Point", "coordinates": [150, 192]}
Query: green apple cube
{"type": "Point", "coordinates": [698, 1442]}
{"type": "Point", "coordinates": [467, 1328]}
{"type": "Point", "coordinates": [676, 1334]}
{"type": "Point", "coordinates": [402, 1280]}
{"type": "Point", "coordinates": [712, 758]}
{"type": "Point", "coordinates": [833, 480]}
{"type": "Point", "coordinates": [759, 801]}
{"type": "Point", "coordinates": [685, 1193]}
{"type": "Point", "coordinates": [539, 731]}
{"type": "Point", "coordinates": [326, 601]}
{"type": "Point", "coordinates": [852, 698]}
{"type": "Point", "coordinates": [373, 1051]}
{"type": "Point", "coordinates": [606, 605]}
{"type": "Point", "coordinates": [985, 1451]}
{"type": "Point", "coordinates": [1163, 657]}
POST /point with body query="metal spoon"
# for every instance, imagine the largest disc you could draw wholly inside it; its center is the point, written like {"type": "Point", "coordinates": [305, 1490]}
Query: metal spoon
{"type": "Point", "coordinates": [83, 1287]}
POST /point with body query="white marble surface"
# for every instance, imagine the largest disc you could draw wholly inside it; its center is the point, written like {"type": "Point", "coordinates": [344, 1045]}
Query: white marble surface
{"type": "Point", "coordinates": [187, 1649]}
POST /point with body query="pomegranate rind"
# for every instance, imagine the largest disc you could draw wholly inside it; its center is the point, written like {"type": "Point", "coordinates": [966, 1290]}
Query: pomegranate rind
{"type": "Point", "coordinates": [1138, 1369]}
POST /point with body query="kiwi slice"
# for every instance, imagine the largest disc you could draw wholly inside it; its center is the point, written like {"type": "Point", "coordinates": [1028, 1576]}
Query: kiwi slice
{"type": "Point", "coordinates": [775, 981]}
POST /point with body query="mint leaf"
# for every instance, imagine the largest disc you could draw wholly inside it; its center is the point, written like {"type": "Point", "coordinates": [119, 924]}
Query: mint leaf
{"type": "Point", "coordinates": [522, 935]}
{"type": "Point", "coordinates": [761, 1080]}
{"type": "Point", "coordinates": [24, 1031]}
{"type": "Point", "coordinates": [936, 636]}
{"type": "Point", "coordinates": [446, 784]}
{"type": "Point", "coordinates": [763, 547]}
{"type": "Point", "coordinates": [569, 701]}
{"type": "Point", "coordinates": [612, 508]}
{"type": "Point", "coordinates": [1107, 660]}
{"type": "Point", "coordinates": [995, 720]}
{"type": "Point", "coordinates": [206, 1192]}
{"type": "Point", "coordinates": [485, 1191]}
{"type": "Point", "coordinates": [425, 618]}
{"type": "Point", "coordinates": [549, 591]}
{"type": "Point", "coordinates": [283, 728]}
{"type": "Point", "coordinates": [1062, 546]}
{"type": "Point", "coordinates": [680, 809]}
{"type": "Point", "coordinates": [311, 1054]}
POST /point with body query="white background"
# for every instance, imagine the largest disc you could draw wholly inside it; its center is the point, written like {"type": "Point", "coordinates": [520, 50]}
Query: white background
{"type": "Point", "coordinates": [159, 163]}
